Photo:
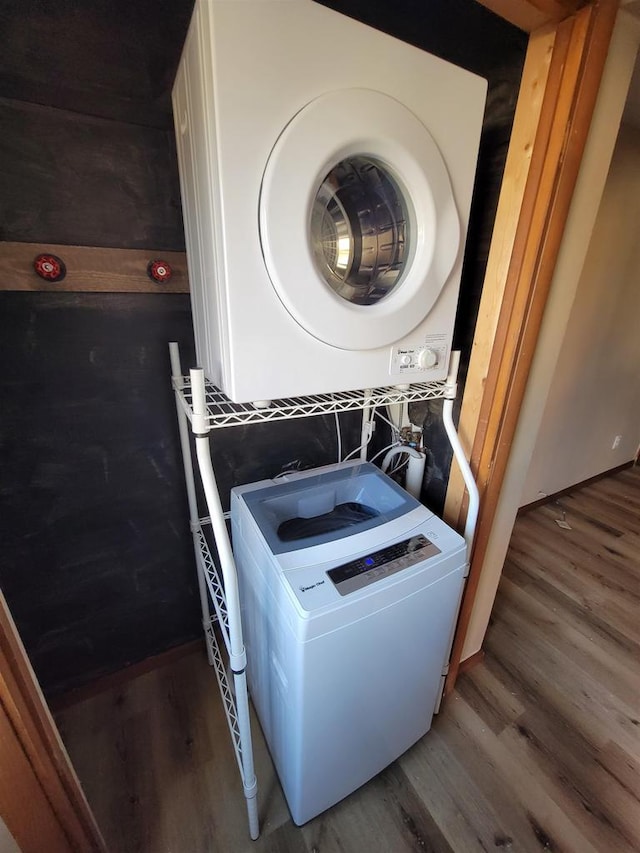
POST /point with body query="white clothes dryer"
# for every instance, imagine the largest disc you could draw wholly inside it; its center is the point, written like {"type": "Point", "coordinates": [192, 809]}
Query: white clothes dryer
{"type": "Point", "coordinates": [326, 173]}
{"type": "Point", "coordinates": [349, 591]}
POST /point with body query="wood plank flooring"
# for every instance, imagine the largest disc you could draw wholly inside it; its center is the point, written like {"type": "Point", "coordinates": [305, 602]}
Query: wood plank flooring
{"type": "Point", "coordinates": [538, 748]}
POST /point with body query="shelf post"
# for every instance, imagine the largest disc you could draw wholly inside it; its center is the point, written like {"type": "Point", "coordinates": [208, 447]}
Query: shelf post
{"type": "Point", "coordinates": [237, 653]}
{"type": "Point", "coordinates": [194, 523]}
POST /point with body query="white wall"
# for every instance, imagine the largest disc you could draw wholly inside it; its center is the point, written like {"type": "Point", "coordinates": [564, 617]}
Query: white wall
{"type": "Point", "coordinates": [595, 392]}
{"type": "Point", "coordinates": [7, 841]}
{"type": "Point", "coordinates": [582, 216]}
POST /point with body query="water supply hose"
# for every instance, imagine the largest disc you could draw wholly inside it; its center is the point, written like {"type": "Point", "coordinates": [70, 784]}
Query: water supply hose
{"type": "Point", "coordinates": [459, 454]}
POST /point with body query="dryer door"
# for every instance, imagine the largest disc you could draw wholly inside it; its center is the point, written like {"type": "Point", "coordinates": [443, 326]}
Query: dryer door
{"type": "Point", "coordinates": [358, 224]}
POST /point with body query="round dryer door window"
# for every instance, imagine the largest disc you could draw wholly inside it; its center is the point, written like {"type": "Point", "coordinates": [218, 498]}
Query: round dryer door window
{"type": "Point", "coordinates": [360, 230]}
{"type": "Point", "coordinates": [358, 224]}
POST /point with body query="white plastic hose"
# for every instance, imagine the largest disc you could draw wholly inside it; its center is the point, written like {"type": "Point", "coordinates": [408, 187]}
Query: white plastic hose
{"type": "Point", "coordinates": [459, 454]}
{"type": "Point", "coordinates": [415, 473]}
{"type": "Point", "coordinates": [415, 469]}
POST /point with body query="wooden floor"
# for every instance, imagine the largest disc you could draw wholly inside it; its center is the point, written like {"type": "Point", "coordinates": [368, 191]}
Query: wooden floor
{"type": "Point", "coordinates": [538, 749]}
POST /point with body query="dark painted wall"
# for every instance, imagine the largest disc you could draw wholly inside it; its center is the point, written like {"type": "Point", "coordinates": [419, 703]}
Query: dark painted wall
{"type": "Point", "coordinates": [98, 568]}
{"type": "Point", "coordinates": [72, 178]}
{"type": "Point", "coordinates": [109, 58]}
{"type": "Point", "coordinates": [97, 564]}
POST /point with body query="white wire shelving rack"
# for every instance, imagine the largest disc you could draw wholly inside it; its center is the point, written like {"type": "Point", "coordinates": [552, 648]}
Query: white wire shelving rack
{"type": "Point", "coordinates": [202, 408]}
{"type": "Point", "coordinates": [221, 412]}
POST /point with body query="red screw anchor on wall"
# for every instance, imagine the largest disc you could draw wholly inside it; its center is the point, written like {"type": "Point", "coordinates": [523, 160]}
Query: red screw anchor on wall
{"type": "Point", "coordinates": [50, 267]}
{"type": "Point", "coordinates": [159, 271]}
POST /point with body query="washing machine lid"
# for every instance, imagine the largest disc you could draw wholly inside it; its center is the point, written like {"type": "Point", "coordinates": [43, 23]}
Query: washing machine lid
{"type": "Point", "coordinates": [358, 223]}
{"type": "Point", "coordinates": [313, 510]}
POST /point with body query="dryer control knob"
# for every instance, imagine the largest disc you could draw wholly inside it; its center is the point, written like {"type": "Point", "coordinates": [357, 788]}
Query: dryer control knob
{"type": "Point", "coordinates": [405, 360]}
{"type": "Point", "coordinates": [428, 358]}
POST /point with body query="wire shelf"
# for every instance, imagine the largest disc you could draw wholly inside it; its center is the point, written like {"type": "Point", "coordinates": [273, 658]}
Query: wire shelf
{"type": "Point", "coordinates": [219, 614]}
{"type": "Point", "coordinates": [222, 412]}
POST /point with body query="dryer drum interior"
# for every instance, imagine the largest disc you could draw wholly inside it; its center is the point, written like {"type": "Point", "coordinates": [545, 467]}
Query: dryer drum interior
{"type": "Point", "coordinates": [359, 230]}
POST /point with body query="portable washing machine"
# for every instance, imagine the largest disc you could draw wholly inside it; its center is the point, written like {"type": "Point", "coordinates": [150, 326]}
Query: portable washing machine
{"type": "Point", "coordinates": [349, 591]}
{"type": "Point", "coordinates": [326, 171]}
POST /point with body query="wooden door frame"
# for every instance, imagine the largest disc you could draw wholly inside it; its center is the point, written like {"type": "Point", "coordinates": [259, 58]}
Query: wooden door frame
{"type": "Point", "coordinates": [566, 59]}
{"type": "Point", "coordinates": [35, 736]}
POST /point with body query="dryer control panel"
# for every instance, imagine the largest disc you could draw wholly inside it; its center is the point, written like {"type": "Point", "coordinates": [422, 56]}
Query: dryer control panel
{"type": "Point", "coordinates": [366, 570]}
{"type": "Point", "coordinates": [408, 360]}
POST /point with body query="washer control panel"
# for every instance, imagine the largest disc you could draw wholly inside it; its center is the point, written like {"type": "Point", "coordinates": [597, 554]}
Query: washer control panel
{"type": "Point", "coordinates": [410, 360]}
{"type": "Point", "coordinates": [366, 570]}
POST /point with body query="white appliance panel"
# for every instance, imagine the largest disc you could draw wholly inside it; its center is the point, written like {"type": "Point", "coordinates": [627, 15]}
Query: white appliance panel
{"type": "Point", "coordinates": [253, 67]}
{"type": "Point", "coordinates": [343, 684]}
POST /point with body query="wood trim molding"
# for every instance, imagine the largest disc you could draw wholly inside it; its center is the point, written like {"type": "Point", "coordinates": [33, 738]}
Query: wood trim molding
{"type": "Point", "coordinates": [514, 181]}
{"type": "Point", "coordinates": [40, 756]}
{"type": "Point", "coordinates": [471, 662]}
{"type": "Point", "coordinates": [523, 510]}
{"type": "Point", "coordinates": [530, 15]}
{"type": "Point", "coordinates": [579, 54]}
{"type": "Point", "coordinates": [90, 270]}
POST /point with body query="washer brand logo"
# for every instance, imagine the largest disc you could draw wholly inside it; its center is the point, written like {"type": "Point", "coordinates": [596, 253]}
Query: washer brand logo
{"type": "Point", "coordinates": [311, 586]}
